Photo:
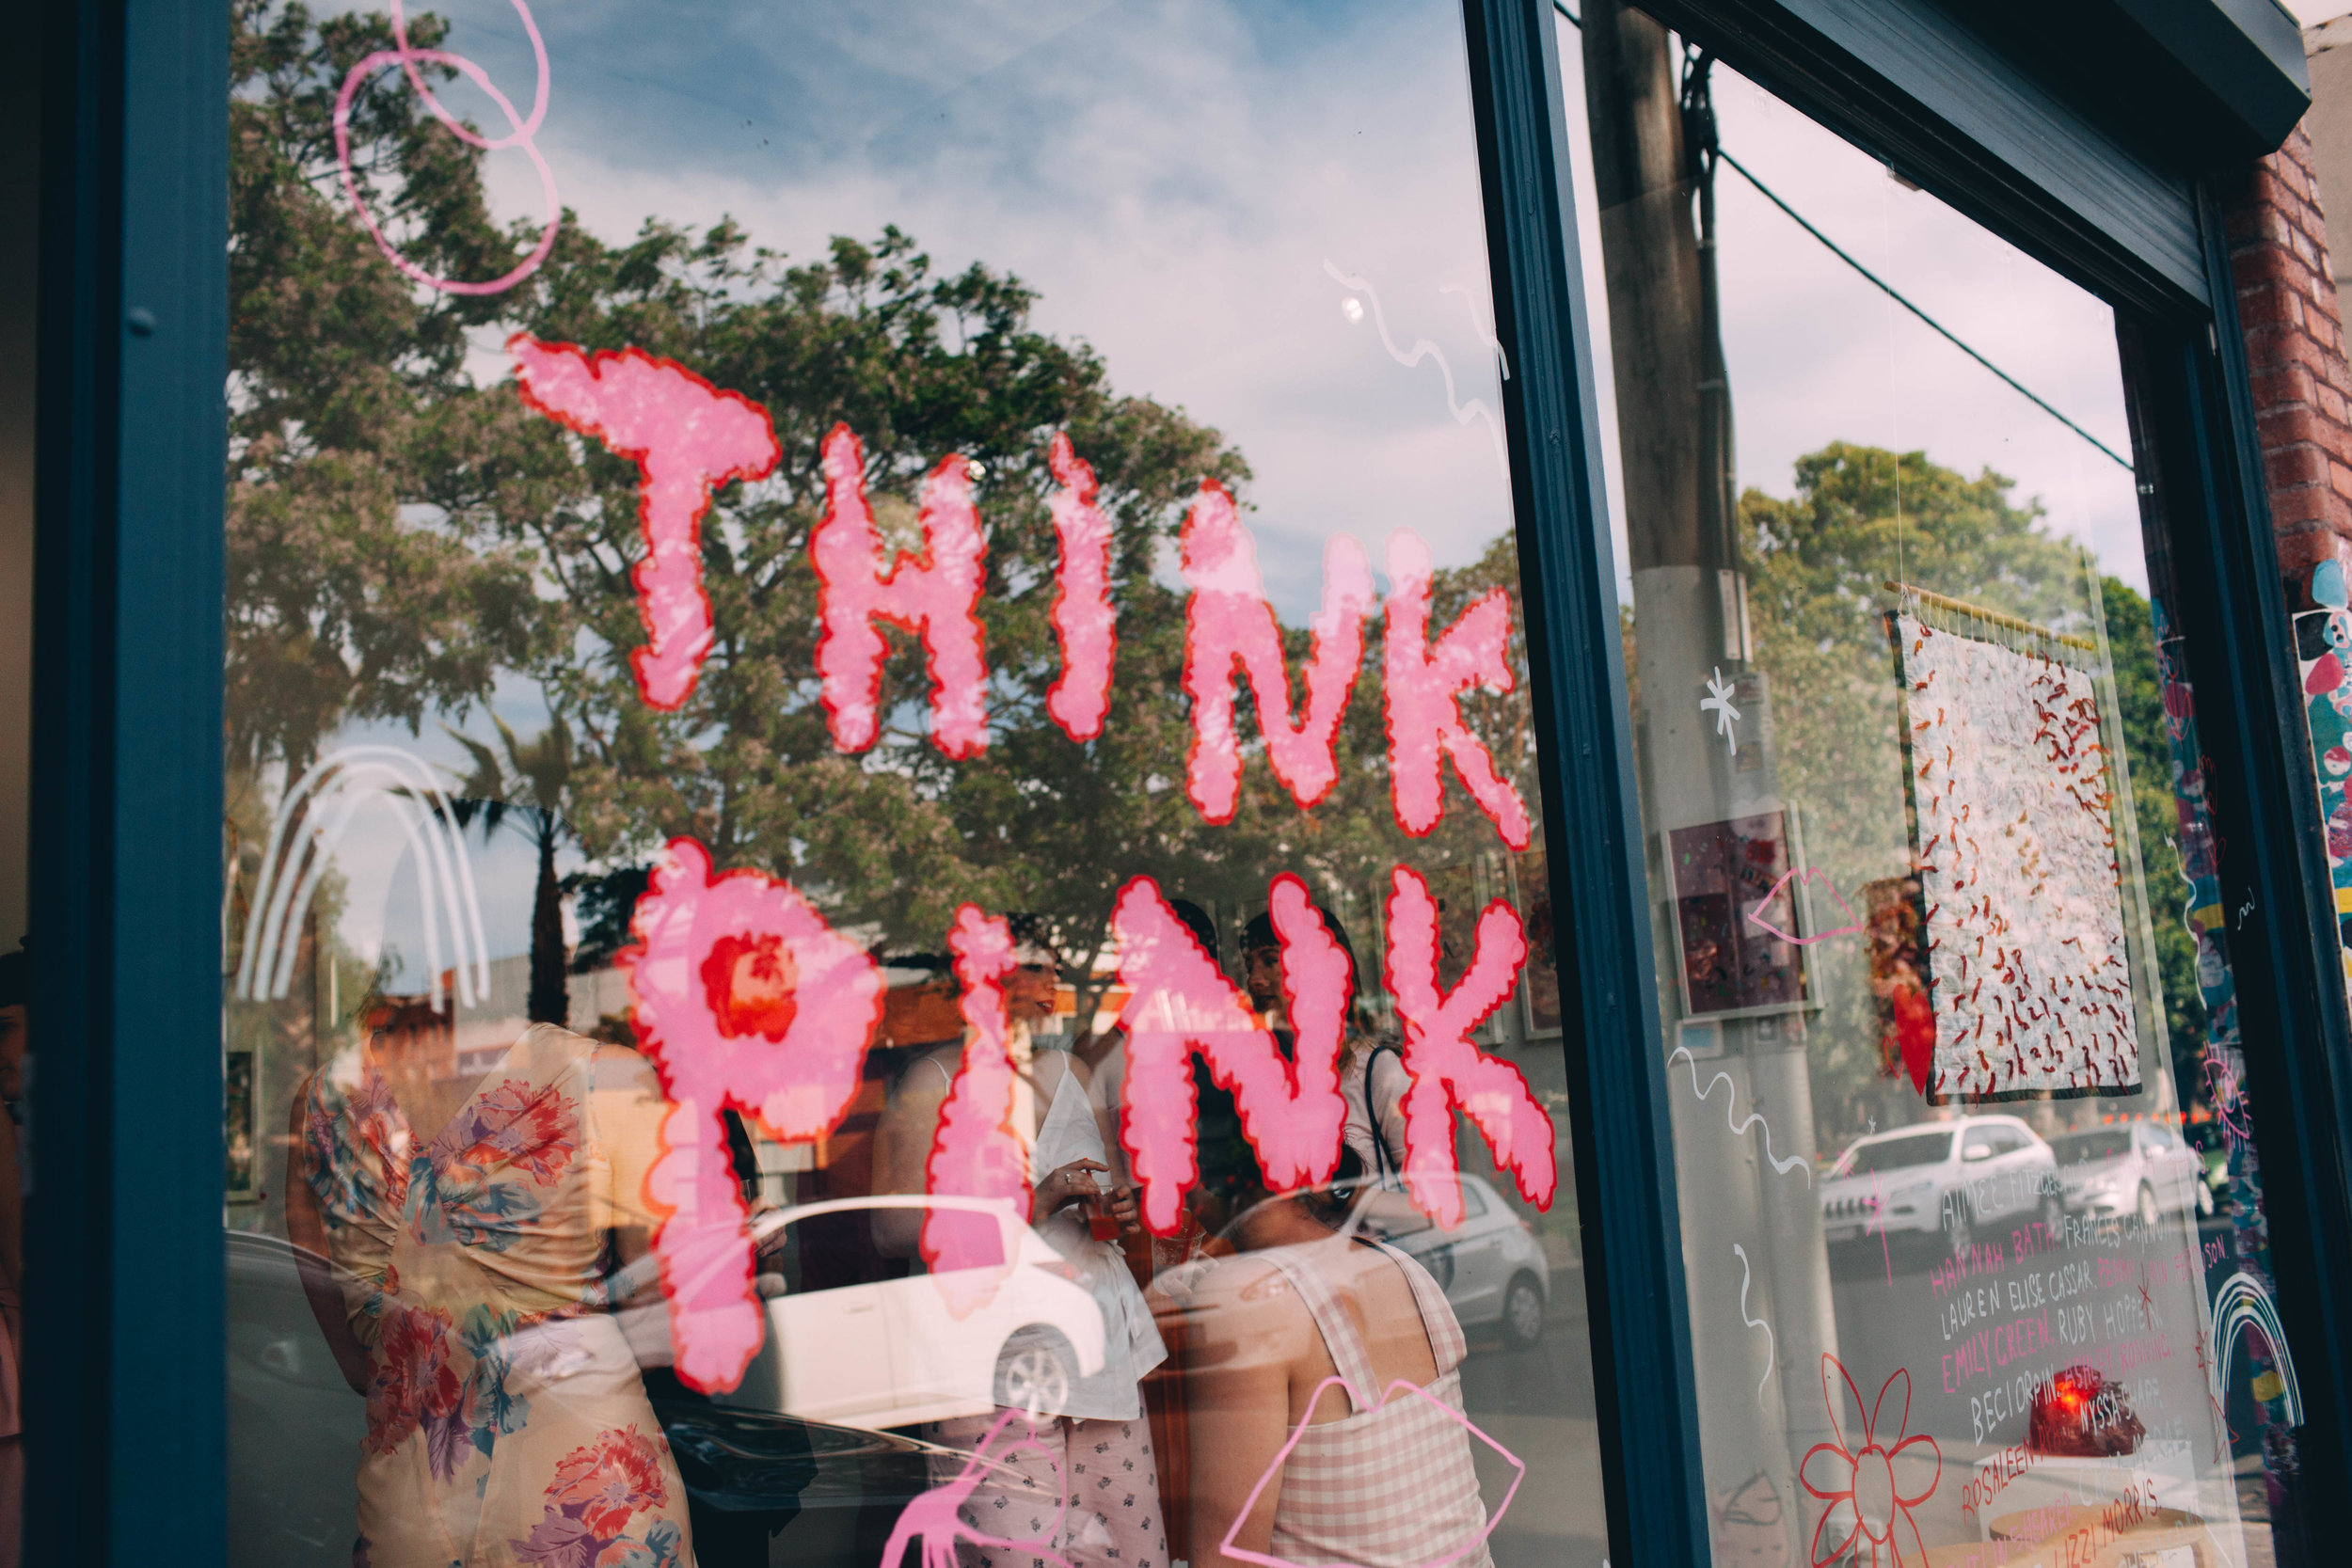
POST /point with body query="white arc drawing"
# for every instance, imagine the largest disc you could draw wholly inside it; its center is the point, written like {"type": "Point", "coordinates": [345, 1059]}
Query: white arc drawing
{"type": "Point", "coordinates": [327, 799]}
{"type": "Point", "coordinates": [1772, 1348]}
{"type": "Point", "coordinates": [2239, 1304]}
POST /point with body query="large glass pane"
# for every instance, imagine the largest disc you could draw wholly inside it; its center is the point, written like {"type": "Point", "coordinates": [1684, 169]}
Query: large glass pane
{"type": "Point", "coordinates": [1970, 1208]}
{"type": "Point", "coordinates": [887, 883]}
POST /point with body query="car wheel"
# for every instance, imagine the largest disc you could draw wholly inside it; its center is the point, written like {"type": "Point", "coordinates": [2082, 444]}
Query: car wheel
{"type": "Point", "coordinates": [2148, 1212]}
{"type": "Point", "coordinates": [1960, 1229]}
{"type": "Point", "coordinates": [1523, 1312]}
{"type": "Point", "coordinates": [1033, 1374]}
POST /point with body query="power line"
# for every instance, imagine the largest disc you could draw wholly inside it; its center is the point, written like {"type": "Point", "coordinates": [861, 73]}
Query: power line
{"type": "Point", "coordinates": [1949, 335]}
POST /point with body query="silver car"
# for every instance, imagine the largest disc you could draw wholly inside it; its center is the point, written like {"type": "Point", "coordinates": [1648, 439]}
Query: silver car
{"type": "Point", "coordinates": [1955, 1180]}
{"type": "Point", "coordinates": [2135, 1168]}
{"type": "Point", "coordinates": [1492, 1266]}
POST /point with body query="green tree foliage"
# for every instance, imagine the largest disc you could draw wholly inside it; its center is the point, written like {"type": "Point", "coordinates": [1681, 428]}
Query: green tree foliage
{"type": "Point", "coordinates": [400, 534]}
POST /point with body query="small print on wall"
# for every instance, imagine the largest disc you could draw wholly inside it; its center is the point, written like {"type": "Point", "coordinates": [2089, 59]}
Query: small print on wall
{"type": "Point", "coordinates": [1735, 911]}
{"type": "Point", "coordinates": [2012, 828]}
{"type": "Point", "coordinates": [2323, 651]}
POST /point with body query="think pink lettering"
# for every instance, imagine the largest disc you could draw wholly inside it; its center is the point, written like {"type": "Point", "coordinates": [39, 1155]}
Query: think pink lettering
{"type": "Point", "coordinates": [1425, 683]}
{"type": "Point", "coordinates": [1449, 1072]}
{"type": "Point", "coordinates": [1179, 1002]}
{"type": "Point", "coordinates": [687, 438]}
{"type": "Point", "coordinates": [975, 1154]}
{"type": "Point", "coordinates": [935, 594]}
{"type": "Point", "coordinates": [1083, 622]}
{"type": "Point", "coordinates": [1227, 621]}
{"type": "Point", "coordinates": [745, 998]}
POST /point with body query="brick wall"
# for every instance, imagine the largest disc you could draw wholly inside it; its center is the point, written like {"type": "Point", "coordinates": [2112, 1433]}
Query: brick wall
{"type": "Point", "coordinates": [2286, 303]}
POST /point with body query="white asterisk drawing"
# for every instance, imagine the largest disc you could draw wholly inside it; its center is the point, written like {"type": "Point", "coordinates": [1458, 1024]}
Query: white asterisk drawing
{"type": "Point", "coordinates": [1718, 701]}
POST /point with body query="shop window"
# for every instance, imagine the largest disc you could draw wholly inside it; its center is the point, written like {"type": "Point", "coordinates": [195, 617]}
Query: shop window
{"type": "Point", "coordinates": [884, 856]}
{"type": "Point", "coordinates": [1931, 866]}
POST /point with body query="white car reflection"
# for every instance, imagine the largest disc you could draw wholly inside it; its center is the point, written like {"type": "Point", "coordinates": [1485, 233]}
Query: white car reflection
{"type": "Point", "coordinates": [2130, 1168]}
{"type": "Point", "coordinates": [1490, 1266]}
{"type": "Point", "coordinates": [893, 1351]}
{"type": "Point", "coordinates": [1957, 1182]}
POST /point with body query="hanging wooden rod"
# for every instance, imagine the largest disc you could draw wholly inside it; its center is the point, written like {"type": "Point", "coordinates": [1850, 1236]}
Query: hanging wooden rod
{"type": "Point", "coordinates": [1998, 618]}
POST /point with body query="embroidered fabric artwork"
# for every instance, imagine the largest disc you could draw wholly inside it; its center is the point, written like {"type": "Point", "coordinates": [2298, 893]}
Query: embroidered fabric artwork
{"type": "Point", "coordinates": [2013, 833]}
{"type": "Point", "coordinates": [2323, 652]}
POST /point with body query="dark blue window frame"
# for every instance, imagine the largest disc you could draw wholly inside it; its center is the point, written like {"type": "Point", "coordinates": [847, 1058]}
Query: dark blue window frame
{"type": "Point", "coordinates": [126, 1390]}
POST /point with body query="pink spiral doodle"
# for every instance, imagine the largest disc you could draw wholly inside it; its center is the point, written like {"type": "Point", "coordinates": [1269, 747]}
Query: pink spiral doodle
{"type": "Point", "coordinates": [687, 438]}
{"type": "Point", "coordinates": [936, 594]}
{"type": "Point", "coordinates": [1083, 622]}
{"type": "Point", "coordinates": [525, 129]}
{"type": "Point", "coordinates": [1227, 621]}
{"type": "Point", "coordinates": [743, 997]}
{"type": "Point", "coordinates": [1364, 1402]}
{"type": "Point", "coordinates": [1425, 683]}
{"type": "Point", "coordinates": [1179, 1001]}
{"type": "Point", "coordinates": [1448, 1071]}
{"type": "Point", "coordinates": [975, 1154]}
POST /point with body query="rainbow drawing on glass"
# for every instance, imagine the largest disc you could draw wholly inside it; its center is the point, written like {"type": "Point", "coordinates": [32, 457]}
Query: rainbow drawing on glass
{"type": "Point", "coordinates": [312, 819]}
{"type": "Point", "coordinates": [1086, 628]}
{"type": "Point", "coordinates": [743, 997]}
{"type": "Point", "coordinates": [1227, 621]}
{"type": "Point", "coordinates": [687, 438]}
{"type": "Point", "coordinates": [934, 1520]}
{"type": "Point", "coordinates": [1738, 1129]}
{"type": "Point", "coordinates": [2323, 648]}
{"type": "Point", "coordinates": [1756, 915]}
{"type": "Point", "coordinates": [2240, 1307]}
{"type": "Point", "coordinates": [1718, 701]}
{"type": "Point", "coordinates": [525, 129]}
{"type": "Point", "coordinates": [1770, 1345]}
{"type": "Point", "coordinates": [1449, 1072]}
{"type": "Point", "coordinates": [973, 1154]}
{"type": "Point", "coordinates": [1363, 1401]}
{"type": "Point", "coordinates": [1869, 1512]}
{"type": "Point", "coordinates": [935, 594]}
{"type": "Point", "coordinates": [1179, 1001]}
{"type": "Point", "coordinates": [2013, 833]}
{"type": "Point", "coordinates": [1423, 349]}
{"type": "Point", "coordinates": [1424, 686]}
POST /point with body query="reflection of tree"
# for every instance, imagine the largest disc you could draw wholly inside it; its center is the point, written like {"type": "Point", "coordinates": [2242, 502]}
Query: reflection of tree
{"type": "Point", "coordinates": [532, 779]}
{"type": "Point", "coordinates": [399, 535]}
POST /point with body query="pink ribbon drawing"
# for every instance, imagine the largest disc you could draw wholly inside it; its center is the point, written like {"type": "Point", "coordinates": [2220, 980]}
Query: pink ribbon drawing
{"type": "Point", "coordinates": [1755, 916]}
{"type": "Point", "coordinates": [1356, 1397]}
{"type": "Point", "coordinates": [524, 129]}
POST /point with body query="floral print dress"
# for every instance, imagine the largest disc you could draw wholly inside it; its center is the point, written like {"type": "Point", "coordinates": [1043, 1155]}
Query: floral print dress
{"type": "Point", "coordinates": [507, 1423]}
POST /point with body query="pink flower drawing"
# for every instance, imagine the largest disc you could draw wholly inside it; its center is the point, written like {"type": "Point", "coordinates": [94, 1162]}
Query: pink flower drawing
{"type": "Point", "coordinates": [1868, 1519]}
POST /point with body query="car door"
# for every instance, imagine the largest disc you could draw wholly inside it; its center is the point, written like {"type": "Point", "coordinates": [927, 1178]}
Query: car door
{"type": "Point", "coordinates": [827, 1355]}
{"type": "Point", "coordinates": [1476, 1294]}
{"type": "Point", "coordinates": [2170, 1166]}
{"type": "Point", "coordinates": [2014, 1170]}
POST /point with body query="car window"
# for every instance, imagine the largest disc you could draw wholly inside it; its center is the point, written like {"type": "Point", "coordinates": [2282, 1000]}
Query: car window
{"type": "Point", "coordinates": [979, 1243]}
{"type": "Point", "coordinates": [1472, 1204]}
{"type": "Point", "coordinates": [1916, 1149]}
{"type": "Point", "coordinates": [2100, 1143]}
{"type": "Point", "coordinates": [2005, 1140]}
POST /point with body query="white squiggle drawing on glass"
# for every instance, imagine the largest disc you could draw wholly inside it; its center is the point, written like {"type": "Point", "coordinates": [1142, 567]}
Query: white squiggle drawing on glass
{"type": "Point", "coordinates": [1470, 301]}
{"type": "Point", "coordinates": [1755, 1119]}
{"type": "Point", "coordinates": [313, 818]}
{"type": "Point", "coordinates": [2242, 1303]}
{"type": "Point", "coordinates": [1771, 1349]}
{"type": "Point", "coordinates": [1423, 349]}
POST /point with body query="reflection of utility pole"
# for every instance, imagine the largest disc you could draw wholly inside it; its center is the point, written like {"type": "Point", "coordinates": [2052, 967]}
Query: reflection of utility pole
{"type": "Point", "coordinates": [1653, 137]}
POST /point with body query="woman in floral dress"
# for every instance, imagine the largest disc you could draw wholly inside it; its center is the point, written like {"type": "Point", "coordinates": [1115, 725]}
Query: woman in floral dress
{"type": "Point", "coordinates": [507, 1423]}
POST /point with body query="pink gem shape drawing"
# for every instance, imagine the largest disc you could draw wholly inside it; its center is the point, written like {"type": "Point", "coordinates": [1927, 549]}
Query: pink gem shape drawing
{"type": "Point", "coordinates": [1755, 916]}
{"type": "Point", "coordinates": [1361, 1403]}
{"type": "Point", "coordinates": [935, 594]}
{"type": "Point", "coordinates": [687, 438]}
{"type": "Point", "coordinates": [743, 997]}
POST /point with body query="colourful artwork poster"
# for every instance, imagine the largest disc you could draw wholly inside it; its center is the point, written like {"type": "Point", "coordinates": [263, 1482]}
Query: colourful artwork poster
{"type": "Point", "coordinates": [2013, 833]}
{"type": "Point", "coordinates": [2323, 649]}
{"type": "Point", "coordinates": [1734, 915]}
{"type": "Point", "coordinates": [1899, 985]}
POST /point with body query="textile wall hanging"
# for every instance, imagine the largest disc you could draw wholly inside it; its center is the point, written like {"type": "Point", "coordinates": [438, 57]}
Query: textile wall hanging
{"type": "Point", "coordinates": [2013, 832]}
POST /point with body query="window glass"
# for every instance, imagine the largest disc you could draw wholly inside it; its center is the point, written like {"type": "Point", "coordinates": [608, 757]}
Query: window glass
{"type": "Point", "coordinates": [887, 883]}
{"type": "Point", "coordinates": [1929, 837]}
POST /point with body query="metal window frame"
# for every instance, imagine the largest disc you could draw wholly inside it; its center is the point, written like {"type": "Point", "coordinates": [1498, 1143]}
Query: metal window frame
{"type": "Point", "coordinates": [1908, 81]}
{"type": "Point", "coordinates": [125, 1399]}
{"type": "Point", "coordinates": [124, 1390]}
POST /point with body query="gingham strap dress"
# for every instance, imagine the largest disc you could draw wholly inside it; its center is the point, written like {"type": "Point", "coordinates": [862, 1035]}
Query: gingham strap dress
{"type": "Point", "coordinates": [1391, 1486]}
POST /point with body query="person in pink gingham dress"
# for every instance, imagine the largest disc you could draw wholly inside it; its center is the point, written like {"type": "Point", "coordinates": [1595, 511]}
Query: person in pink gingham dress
{"type": "Point", "coordinates": [1380, 1477]}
